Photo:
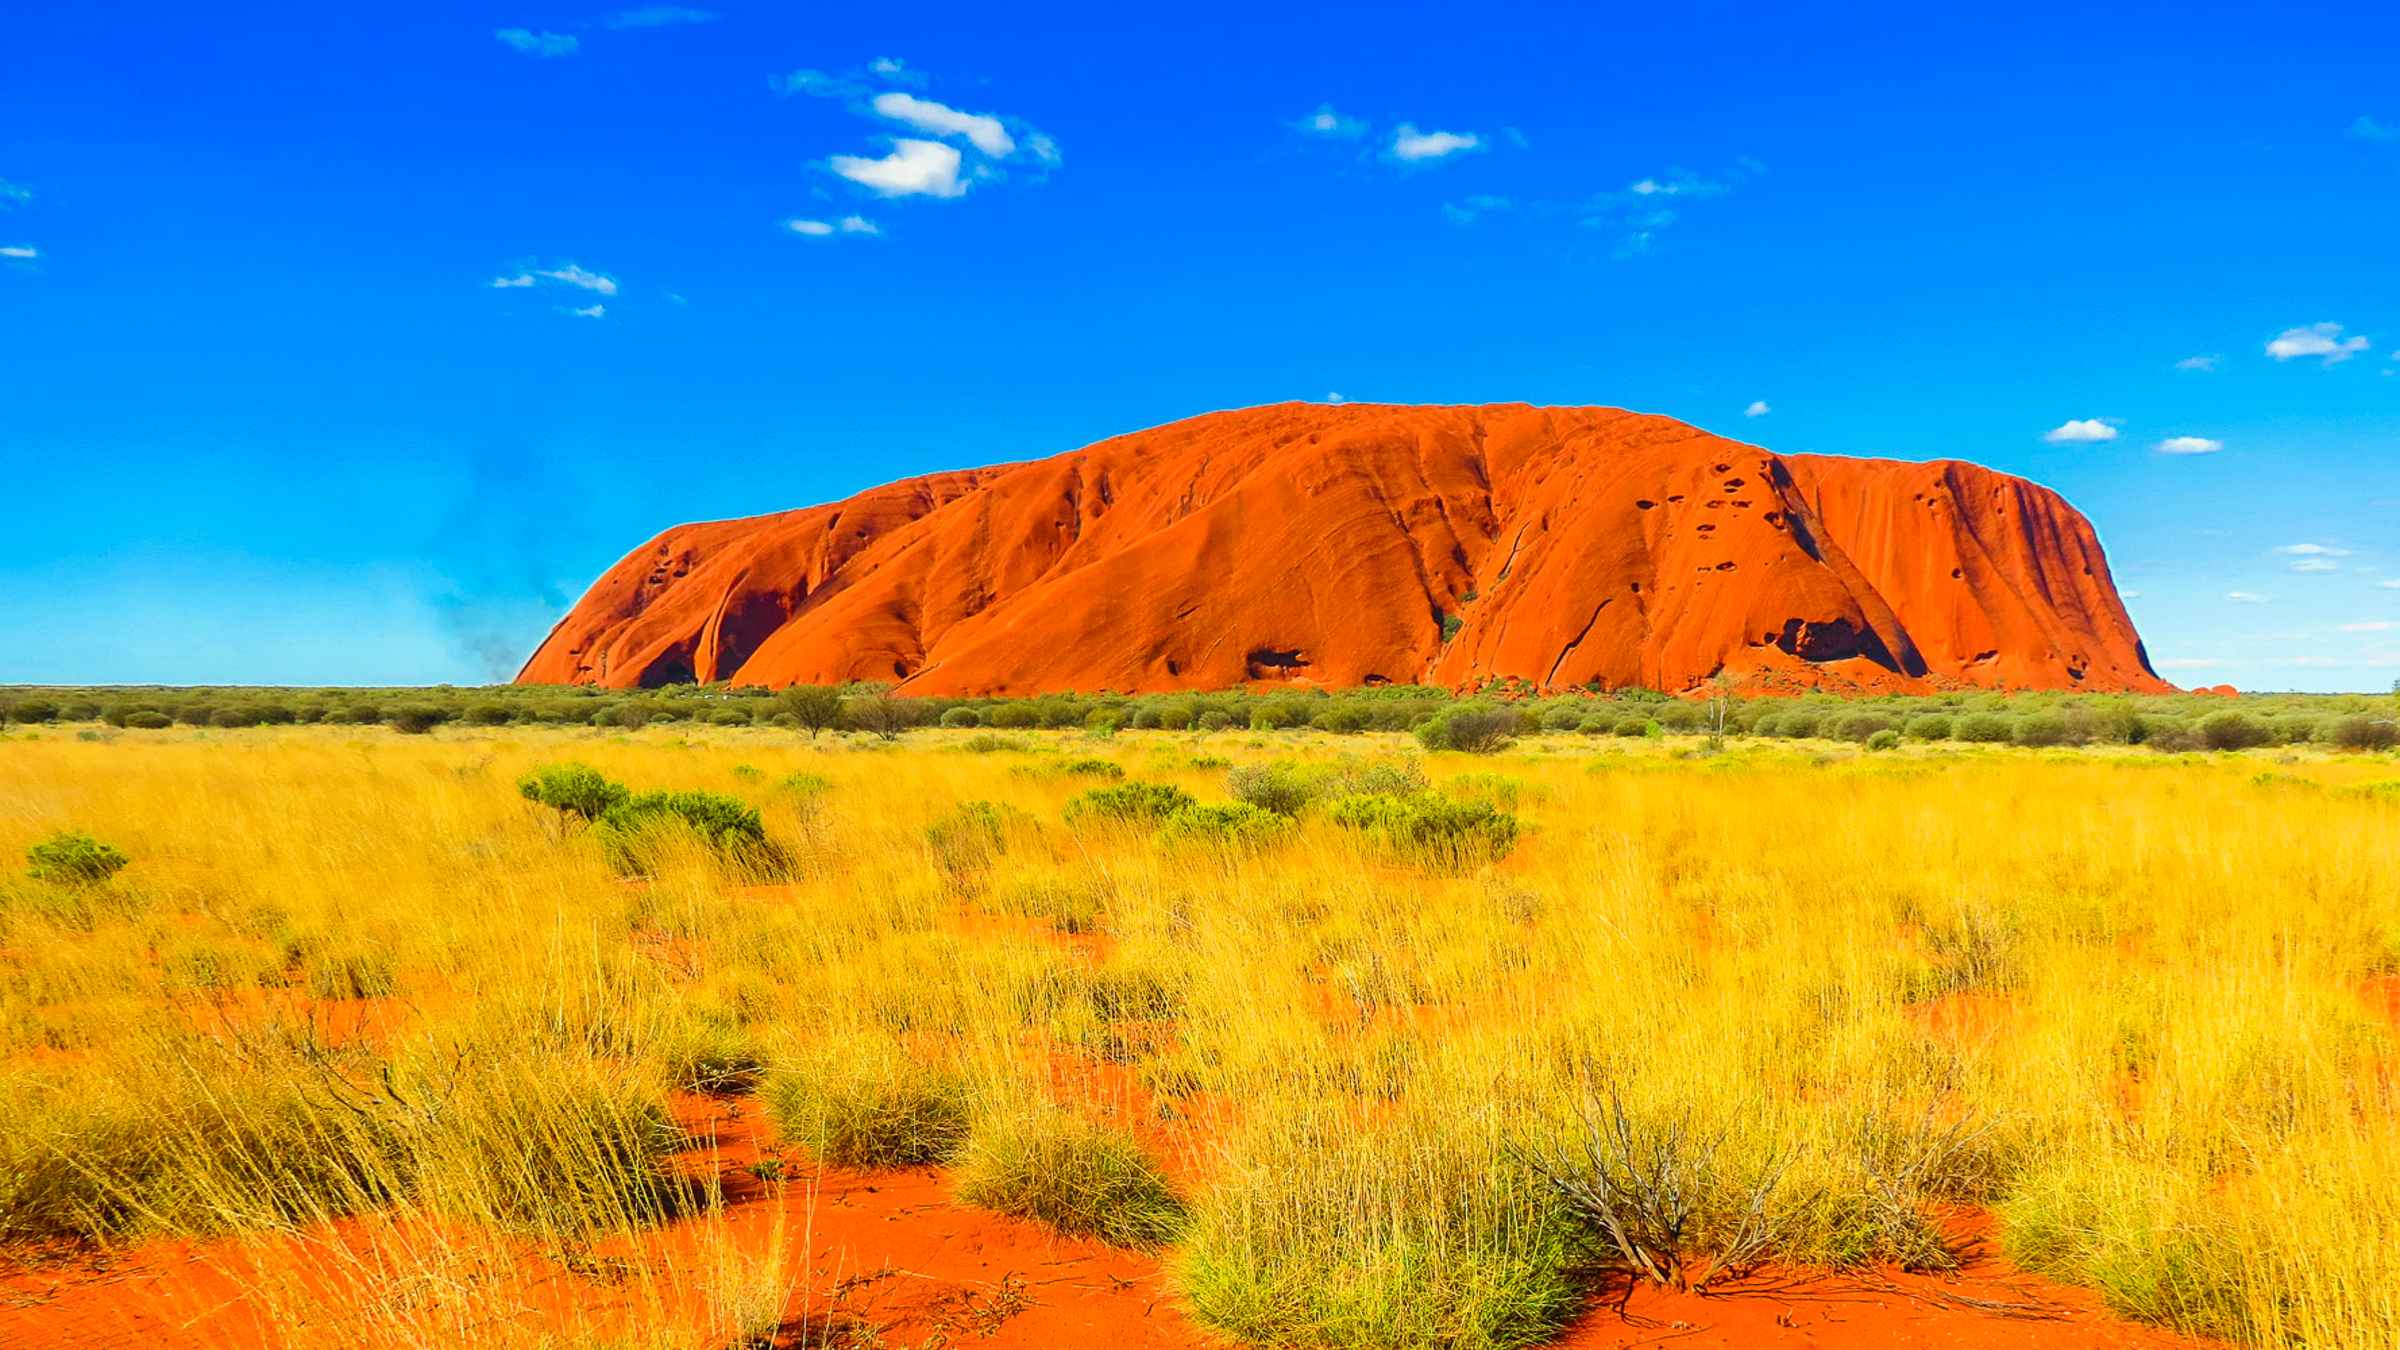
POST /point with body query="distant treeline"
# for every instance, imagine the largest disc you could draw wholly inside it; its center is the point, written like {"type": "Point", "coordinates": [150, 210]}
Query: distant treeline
{"type": "Point", "coordinates": [2166, 721]}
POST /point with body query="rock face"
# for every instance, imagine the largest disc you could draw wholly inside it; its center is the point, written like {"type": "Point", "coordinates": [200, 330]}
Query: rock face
{"type": "Point", "coordinates": [1363, 544]}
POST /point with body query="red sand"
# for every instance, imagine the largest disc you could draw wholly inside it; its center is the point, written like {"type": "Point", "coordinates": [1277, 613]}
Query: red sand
{"type": "Point", "coordinates": [1304, 544]}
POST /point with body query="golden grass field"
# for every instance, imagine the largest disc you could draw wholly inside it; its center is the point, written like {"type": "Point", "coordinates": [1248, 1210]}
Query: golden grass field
{"type": "Point", "coordinates": [356, 999]}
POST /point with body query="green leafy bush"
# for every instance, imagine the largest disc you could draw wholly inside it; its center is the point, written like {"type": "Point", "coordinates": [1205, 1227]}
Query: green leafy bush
{"type": "Point", "coordinates": [1132, 803]}
{"type": "Point", "coordinates": [1281, 787]}
{"type": "Point", "coordinates": [2232, 731]}
{"type": "Point", "coordinates": [1430, 827]}
{"type": "Point", "coordinates": [962, 717]}
{"type": "Point", "coordinates": [1985, 729]}
{"type": "Point", "coordinates": [73, 859]}
{"type": "Point", "coordinates": [1885, 739]}
{"type": "Point", "coordinates": [1472, 729]}
{"type": "Point", "coordinates": [1929, 727]}
{"type": "Point", "coordinates": [1234, 826]}
{"type": "Point", "coordinates": [148, 719]}
{"type": "Point", "coordinates": [2364, 731]}
{"type": "Point", "coordinates": [416, 719]}
{"type": "Point", "coordinates": [572, 789]}
{"type": "Point", "coordinates": [634, 829]}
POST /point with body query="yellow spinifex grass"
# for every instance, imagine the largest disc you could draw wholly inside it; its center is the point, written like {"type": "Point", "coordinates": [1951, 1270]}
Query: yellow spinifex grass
{"type": "Point", "coordinates": [354, 993]}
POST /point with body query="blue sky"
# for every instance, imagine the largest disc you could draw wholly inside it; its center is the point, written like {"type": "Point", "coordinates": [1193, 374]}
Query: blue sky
{"type": "Point", "coordinates": [268, 413]}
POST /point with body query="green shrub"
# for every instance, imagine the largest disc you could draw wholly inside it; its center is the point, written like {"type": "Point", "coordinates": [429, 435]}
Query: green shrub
{"type": "Point", "coordinates": [2232, 731]}
{"type": "Point", "coordinates": [1281, 787]}
{"type": "Point", "coordinates": [1885, 739]}
{"type": "Point", "coordinates": [1079, 1178]}
{"type": "Point", "coordinates": [1431, 828]}
{"type": "Point", "coordinates": [1215, 719]}
{"type": "Point", "coordinates": [962, 717]}
{"type": "Point", "coordinates": [148, 719]}
{"type": "Point", "coordinates": [1472, 729]}
{"type": "Point", "coordinates": [2042, 729]}
{"type": "Point", "coordinates": [1798, 723]}
{"type": "Point", "coordinates": [633, 830]}
{"type": "Point", "coordinates": [1859, 726]}
{"type": "Point", "coordinates": [2364, 731]}
{"type": "Point", "coordinates": [1634, 725]}
{"type": "Point", "coordinates": [1985, 729]}
{"type": "Point", "coordinates": [486, 714]}
{"type": "Point", "coordinates": [416, 719]}
{"type": "Point", "coordinates": [1135, 803]}
{"type": "Point", "coordinates": [1234, 826]}
{"type": "Point", "coordinates": [33, 711]}
{"type": "Point", "coordinates": [572, 790]}
{"type": "Point", "coordinates": [72, 859]}
{"type": "Point", "coordinates": [1929, 727]}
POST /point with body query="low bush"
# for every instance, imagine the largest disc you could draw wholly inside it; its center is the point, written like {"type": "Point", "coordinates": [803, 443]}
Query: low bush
{"type": "Point", "coordinates": [1233, 826]}
{"type": "Point", "coordinates": [1928, 727]}
{"type": "Point", "coordinates": [1135, 803]}
{"type": "Point", "coordinates": [148, 719]}
{"type": "Point", "coordinates": [1472, 729]}
{"type": "Point", "coordinates": [72, 859]}
{"type": "Point", "coordinates": [573, 790]}
{"type": "Point", "coordinates": [1430, 828]}
{"type": "Point", "coordinates": [1885, 739]}
{"type": "Point", "coordinates": [961, 718]}
{"type": "Point", "coordinates": [1984, 729]}
{"type": "Point", "coordinates": [2364, 731]}
{"type": "Point", "coordinates": [2232, 731]}
{"type": "Point", "coordinates": [634, 831]}
{"type": "Point", "coordinates": [415, 719]}
{"type": "Point", "coordinates": [966, 840]}
{"type": "Point", "coordinates": [1281, 787]}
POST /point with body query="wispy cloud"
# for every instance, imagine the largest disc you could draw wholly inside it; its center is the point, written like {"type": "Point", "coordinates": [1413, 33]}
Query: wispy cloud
{"type": "Point", "coordinates": [538, 44]}
{"type": "Point", "coordinates": [2368, 129]}
{"type": "Point", "coordinates": [1328, 123]}
{"type": "Point", "coordinates": [521, 279]}
{"type": "Point", "coordinates": [1335, 397]}
{"type": "Point", "coordinates": [2370, 626]}
{"type": "Point", "coordinates": [911, 169]}
{"type": "Point", "coordinates": [2189, 445]}
{"type": "Point", "coordinates": [14, 194]}
{"type": "Point", "coordinates": [1643, 209]}
{"type": "Point", "coordinates": [20, 252]}
{"type": "Point", "coordinates": [2317, 339]}
{"type": "Point", "coordinates": [1411, 146]}
{"type": "Point", "coordinates": [821, 229]}
{"type": "Point", "coordinates": [2247, 597]}
{"type": "Point", "coordinates": [2080, 431]}
{"type": "Point", "coordinates": [816, 84]}
{"type": "Point", "coordinates": [2391, 585]}
{"type": "Point", "coordinates": [1474, 208]}
{"type": "Point", "coordinates": [573, 275]}
{"type": "Point", "coordinates": [590, 312]}
{"type": "Point", "coordinates": [2312, 551]}
{"type": "Point", "coordinates": [659, 16]}
{"type": "Point", "coordinates": [893, 70]}
{"type": "Point", "coordinates": [1757, 409]}
{"type": "Point", "coordinates": [981, 130]}
{"type": "Point", "coordinates": [2206, 365]}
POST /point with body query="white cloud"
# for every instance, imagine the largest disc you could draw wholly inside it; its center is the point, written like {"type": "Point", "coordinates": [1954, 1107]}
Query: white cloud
{"type": "Point", "coordinates": [2368, 129]}
{"type": "Point", "coordinates": [1326, 122]}
{"type": "Point", "coordinates": [19, 251]}
{"type": "Point", "coordinates": [2246, 597]}
{"type": "Point", "coordinates": [819, 229]}
{"type": "Point", "coordinates": [1758, 408]}
{"type": "Point", "coordinates": [2391, 585]}
{"type": "Point", "coordinates": [2318, 339]}
{"type": "Point", "coordinates": [1411, 146]}
{"type": "Point", "coordinates": [2189, 445]}
{"type": "Point", "coordinates": [2370, 626]}
{"type": "Point", "coordinates": [2316, 565]}
{"type": "Point", "coordinates": [589, 312]}
{"type": "Point", "coordinates": [981, 130]}
{"type": "Point", "coordinates": [573, 275]}
{"type": "Point", "coordinates": [2204, 364]}
{"type": "Point", "coordinates": [893, 70]}
{"type": "Point", "coordinates": [1335, 398]}
{"type": "Point", "coordinates": [537, 44]}
{"type": "Point", "coordinates": [2080, 430]}
{"type": "Point", "coordinates": [14, 194]}
{"type": "Point", "coordinates": [512, 283]}
{"type": "Point", "coordinates": [1677, 183]}
{"type": "Point", "coordinates": [912, 169]}
{"type": "Point", "coordinates": [660, 16]}
{"type": "Point", "coordinates": [2129, 595]}
{"type": "Point", "coordinates": [2312, 551]}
